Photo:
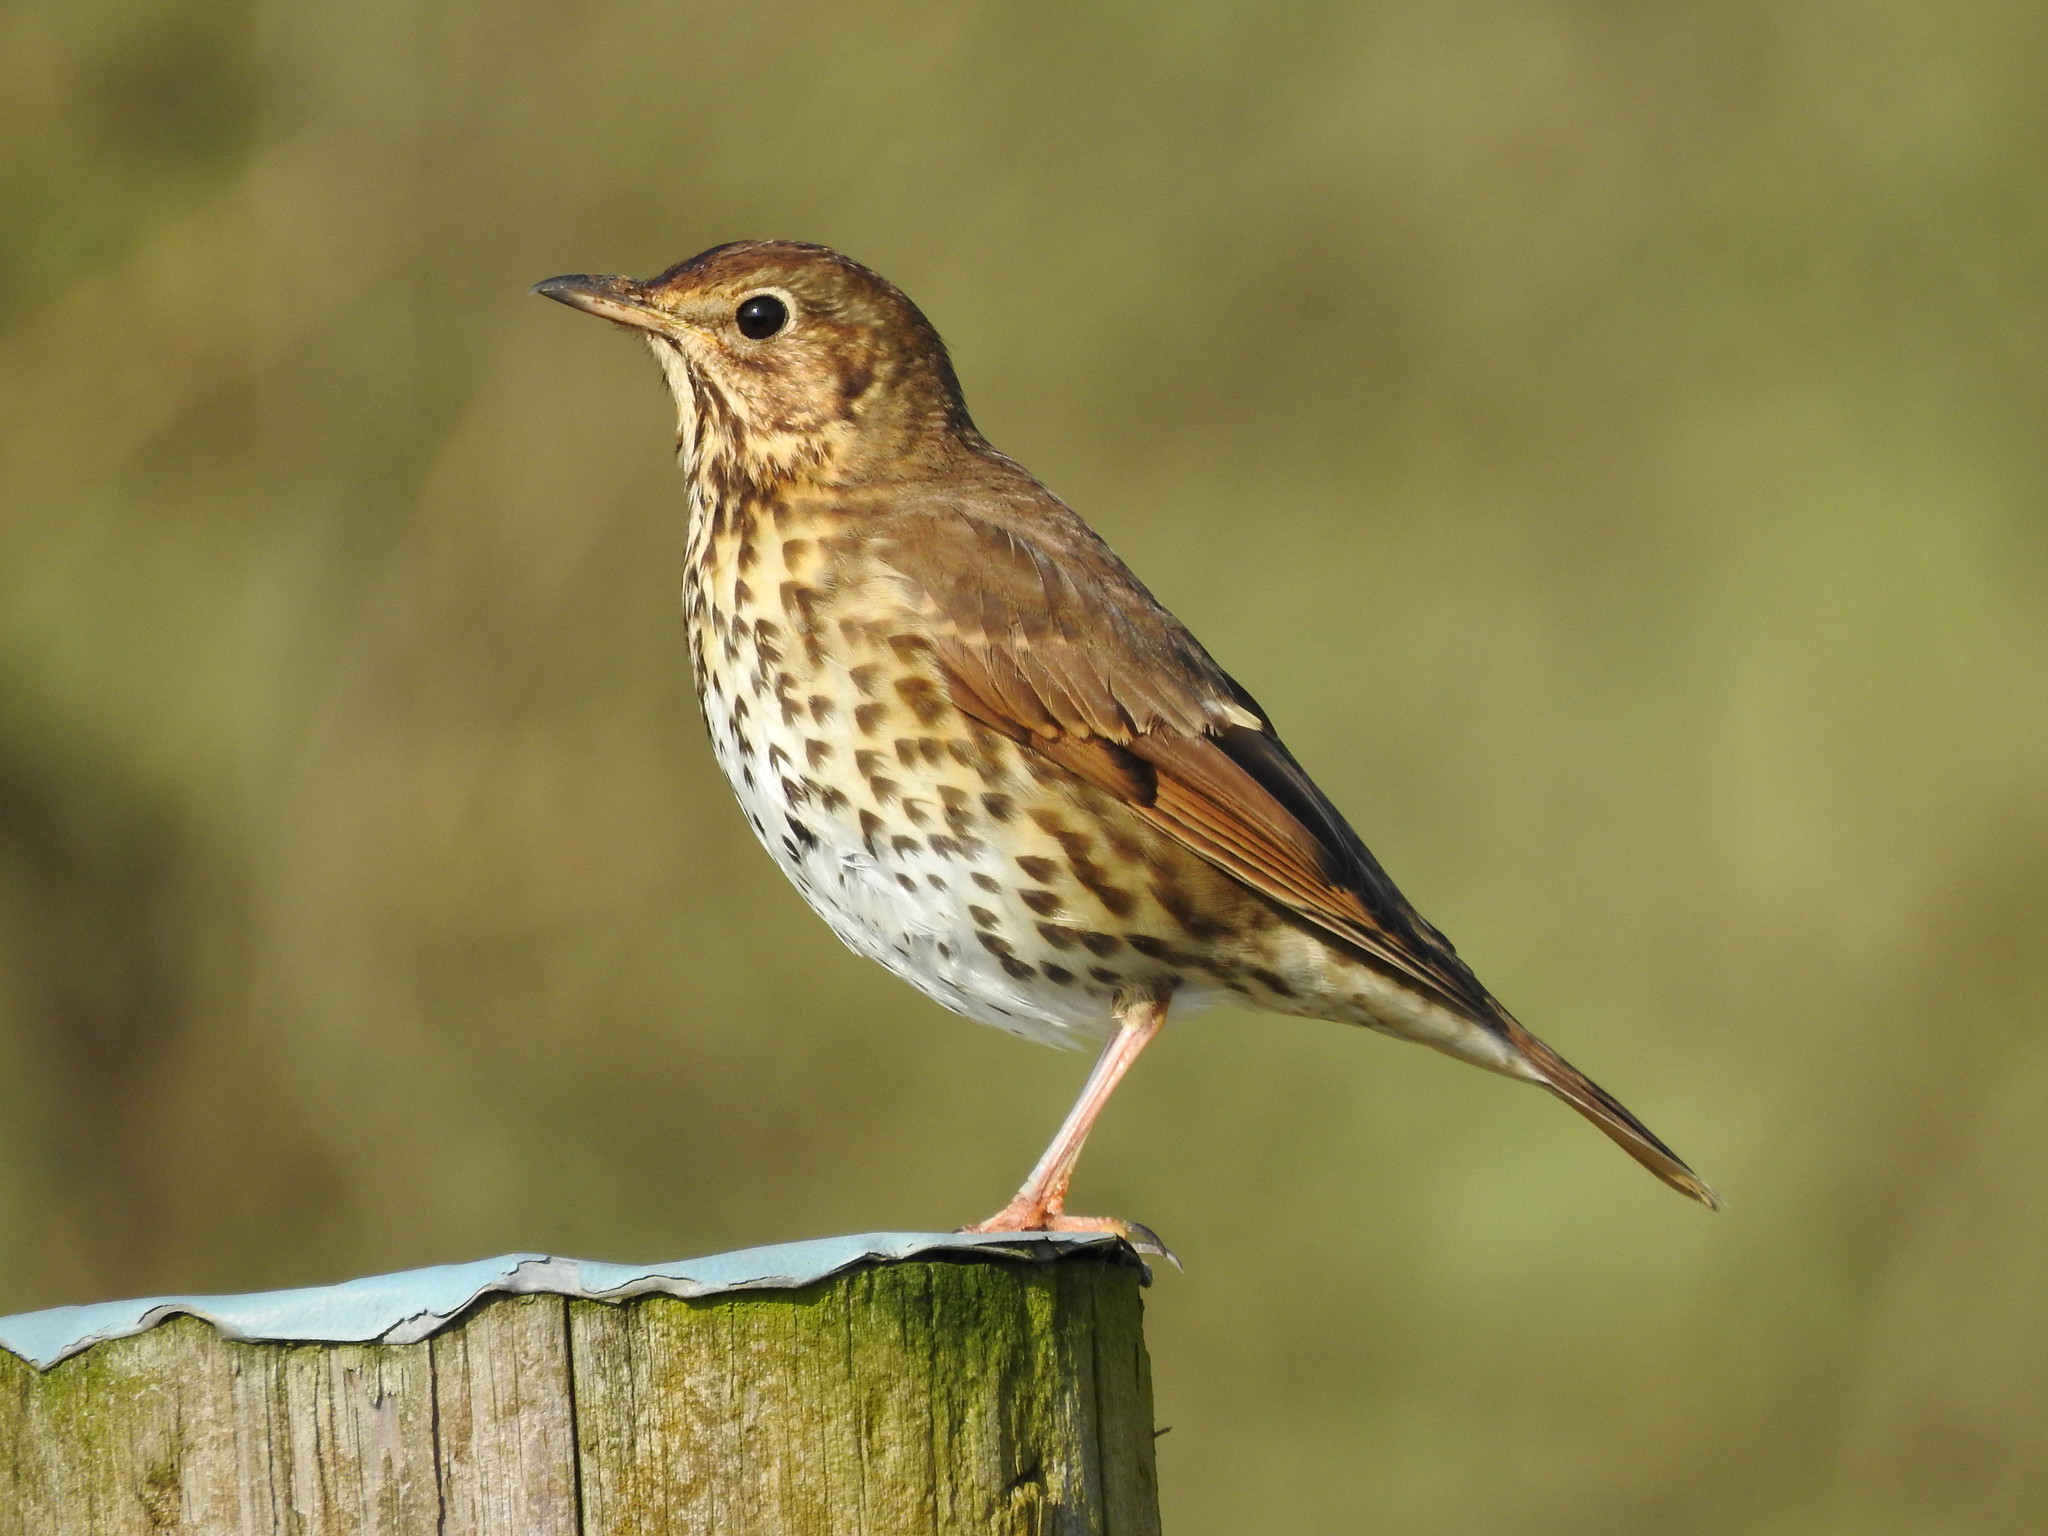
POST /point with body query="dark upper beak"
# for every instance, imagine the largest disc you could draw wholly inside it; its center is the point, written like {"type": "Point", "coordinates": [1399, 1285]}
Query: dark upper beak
{"type": "Point", "coordinates": [610, 298]}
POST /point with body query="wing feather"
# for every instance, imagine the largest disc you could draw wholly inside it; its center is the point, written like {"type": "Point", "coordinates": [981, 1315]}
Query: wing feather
{"type": "Point", "coordinates": [1046, 637]}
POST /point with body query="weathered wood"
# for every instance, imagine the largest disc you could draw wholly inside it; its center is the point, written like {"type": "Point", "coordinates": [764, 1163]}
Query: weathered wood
{"type": "Point", "coordinates": [507, 1438]}
{"type": "Point", "coordinates": [970, 1395]}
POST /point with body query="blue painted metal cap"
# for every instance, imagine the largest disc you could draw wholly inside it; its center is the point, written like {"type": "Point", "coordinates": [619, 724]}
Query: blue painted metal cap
{"type": "Point", "coordinates": [405, 1308]}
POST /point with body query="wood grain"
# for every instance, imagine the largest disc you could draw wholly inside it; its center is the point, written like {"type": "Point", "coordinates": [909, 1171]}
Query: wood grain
{"type": "Point", "coordinates": [979, 1395]}
{"type": "Point", "coordinates": [507, 1437]}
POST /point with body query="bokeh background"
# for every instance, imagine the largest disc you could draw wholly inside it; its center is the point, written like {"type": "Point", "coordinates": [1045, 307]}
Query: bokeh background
{"type": "Point", "coordinates": [1609, 437]}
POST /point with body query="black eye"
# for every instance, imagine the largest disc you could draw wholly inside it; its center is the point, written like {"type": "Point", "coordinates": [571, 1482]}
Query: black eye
{"type": "Point", "coordinates": [761, 316]}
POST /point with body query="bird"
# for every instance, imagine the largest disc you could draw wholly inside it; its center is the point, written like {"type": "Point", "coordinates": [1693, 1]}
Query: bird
{"type": "Point", "coordinates": [982, 750]}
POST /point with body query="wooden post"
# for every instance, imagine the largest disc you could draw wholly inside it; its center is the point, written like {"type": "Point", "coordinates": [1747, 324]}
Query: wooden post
{"type": "Point", "coordinates": [972, 1392]}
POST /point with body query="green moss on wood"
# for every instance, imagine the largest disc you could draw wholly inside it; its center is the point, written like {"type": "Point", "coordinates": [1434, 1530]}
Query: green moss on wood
{"type": "Point", "coordinates": [975, 1396]}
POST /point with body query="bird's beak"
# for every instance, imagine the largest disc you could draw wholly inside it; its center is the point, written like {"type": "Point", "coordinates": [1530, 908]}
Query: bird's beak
{"type": "Point", "coordinates": [610, 298]}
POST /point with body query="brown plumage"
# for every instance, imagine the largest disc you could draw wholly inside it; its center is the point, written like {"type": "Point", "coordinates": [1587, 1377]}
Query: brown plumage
{"type": "Point", "coordinates": [980, 747]}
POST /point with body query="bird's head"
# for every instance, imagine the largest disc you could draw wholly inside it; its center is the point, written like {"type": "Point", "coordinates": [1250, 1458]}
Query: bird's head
{"type": "Point", "coordinates": [785, 357]}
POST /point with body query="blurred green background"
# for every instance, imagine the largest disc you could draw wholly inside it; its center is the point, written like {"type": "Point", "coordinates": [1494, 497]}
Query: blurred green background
{"type": "Point", "coordinates": [1609, 437]}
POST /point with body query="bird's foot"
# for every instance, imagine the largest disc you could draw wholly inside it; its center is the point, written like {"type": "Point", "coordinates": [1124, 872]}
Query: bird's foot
{"type": "Point", "coordinates": [1027, 1216]}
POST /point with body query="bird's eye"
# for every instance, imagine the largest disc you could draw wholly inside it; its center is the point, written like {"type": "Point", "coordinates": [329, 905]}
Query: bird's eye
{"type": "Point", "coordinates": [761, 316]}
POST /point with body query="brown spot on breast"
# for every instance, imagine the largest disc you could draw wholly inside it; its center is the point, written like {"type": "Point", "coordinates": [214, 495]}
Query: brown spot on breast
{"type": "Point", "coordinates": [983, 918]}
{"type": "Point", "coordinates": [870, 829]}
{"type": "Point", "coordinates": [1044, 903]}
{"type": "Point", "coordinates": [924, 698]}
{"type": "Point", "coordinates": [864, 677]}
{"type": "Point", "coordinates": [1001, 949]}
{"type": "Point", "coordinates": [884, 790]}
{"type": "Point", "coordinates": [1001, 807]}
{"type": "Point", "coordinates": [1056, 936]}
{"type": "Point", "coordinates": [1058, 975]}
{"type": "Point", "coordinates": [785, 696]}
{"type": "Point", "coordinates": [906, 751]}
{"type": "Point", "coordinates": [979, 755]}
{"type": "Point", "coordinates": [1145, 944]}
{"type": "Point", "coordinates": [869, 763]}
{"type": "Point", "coordinates": [903, 844]}
{"type": "Point", "coordinates": [832, 799]}
{"type": "Point", "coordinates": [1272, 981]}
{"type": "Point", "coordinates": [918, 812]}
{"type": "Point", "coordinates": [955, 803]}
{"type": "Point", "coordinates": [799, 604]}
{"type": "Point", "coordinates": [964, 754]}
{"type": "Point", "coordinates": [1041, 870]}
{"type": "Point", "coordinates": [821, 708]}
{"type": "Point", "coordinates": [816, 751]}
{"type": "Point", "coordinates": [1076, 846]}
{"type": "Point", "coordinates": [1119, 902]}
{"type": "Point", "coordinates": [794, 550]}
{"type": "Point", "coordinates": [1105, 975]}
{"type": "Point", "coordinates": [948, 847]}
{"type": "Point", "coordinates": [867, 716]}
{"type": "Point", "coordinates": [1175, 901]}
{"type": "Point", "coordinates": [1101, 943]}
{"type": "Point", "coordinates": [987, 882]}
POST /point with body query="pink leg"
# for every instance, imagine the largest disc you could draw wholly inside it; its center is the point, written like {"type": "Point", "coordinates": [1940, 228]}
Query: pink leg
{"type": "Point", "coordinates": [1040, 1206]}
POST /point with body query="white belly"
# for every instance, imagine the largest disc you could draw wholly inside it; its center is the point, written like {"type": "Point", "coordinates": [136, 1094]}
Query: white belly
{"type": "Point", "coordinates": [901, 888]}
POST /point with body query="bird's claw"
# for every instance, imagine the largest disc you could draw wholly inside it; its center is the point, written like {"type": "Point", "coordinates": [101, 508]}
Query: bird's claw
{"type": "Point", "coordinates": [1140, 1238]}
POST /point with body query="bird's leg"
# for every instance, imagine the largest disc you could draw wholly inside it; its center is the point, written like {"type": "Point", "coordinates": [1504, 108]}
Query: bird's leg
{"type": "Point", "coordinates": [1040, 1206]}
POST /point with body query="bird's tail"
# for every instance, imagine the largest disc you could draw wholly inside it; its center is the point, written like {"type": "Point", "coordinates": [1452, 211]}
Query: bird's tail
{"type": "Point", "coordinates": [1605, 1111]}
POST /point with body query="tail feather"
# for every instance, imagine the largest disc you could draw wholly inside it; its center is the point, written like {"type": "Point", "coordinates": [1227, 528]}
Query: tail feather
{"type": "Point", "coordinates": [1606, 1111]}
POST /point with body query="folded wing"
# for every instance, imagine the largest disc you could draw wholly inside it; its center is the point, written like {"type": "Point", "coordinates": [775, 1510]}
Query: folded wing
{"type": "Point", "coordinates": [1044, 636]}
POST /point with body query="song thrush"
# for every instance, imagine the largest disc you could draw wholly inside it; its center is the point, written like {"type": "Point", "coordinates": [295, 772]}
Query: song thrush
{"type": "Point", "coordinates": [982, 750]}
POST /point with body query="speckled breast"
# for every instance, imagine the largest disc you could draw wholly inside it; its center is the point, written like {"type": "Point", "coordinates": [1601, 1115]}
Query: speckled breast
{"type": "Point", "coordinates": [994, 883]}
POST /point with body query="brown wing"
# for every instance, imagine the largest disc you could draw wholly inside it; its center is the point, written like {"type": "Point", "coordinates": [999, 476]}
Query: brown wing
{"type": "Point", "coordinates": [1045, 636]}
